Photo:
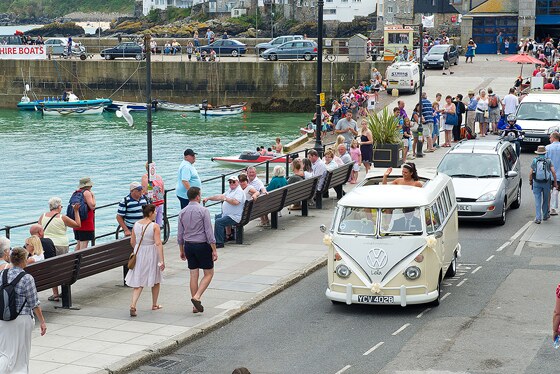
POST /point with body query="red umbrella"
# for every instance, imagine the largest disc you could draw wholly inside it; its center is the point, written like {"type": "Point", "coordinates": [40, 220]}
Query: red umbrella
{"type": "Point", "coordinates": [523, 59]}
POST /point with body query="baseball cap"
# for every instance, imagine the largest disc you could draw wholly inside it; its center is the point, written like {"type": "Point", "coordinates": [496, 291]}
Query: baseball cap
{"type": "Point", "coordinates": [135, 186]}
{"type": "Point", "coordinates": [189, 152]}
{"type": "Point", "coordinates": [233, 178]}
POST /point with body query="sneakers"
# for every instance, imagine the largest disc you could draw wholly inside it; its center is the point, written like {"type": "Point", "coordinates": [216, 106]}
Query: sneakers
{"type": "Point", "coordinates": [443, 74]}
{"type": "Point", "coordinates": [537, 221]}
{"type": "Point", "coordinates": [553, 212]}
{"type": "Point", "coordinates": [546, 217]}
{"type": "Point", "coordinates": [451, 72]}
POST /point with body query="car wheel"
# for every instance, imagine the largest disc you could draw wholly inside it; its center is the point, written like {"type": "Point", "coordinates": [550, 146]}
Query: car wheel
{"type": "Point", "coordinates": [517, 203]}
{"type": "Point", "coordinates": [138, 56]}
{"type": "Point", "coordinates": [107, 57]}
{"type": "Point", "coordinates": [452, 270]}
{"type": "Point", "coordinates": [261, 51]}
{"type": "Point", "coordinates": [234, 53]}
{"type": "Point", "coordinates": [502, 220]}
{"type": "Point", "coordinates": [273, 57]}
{"type": "Point", "coordinates": [83, 57]}
{"type": "Point", "coordinates": [307, 57]}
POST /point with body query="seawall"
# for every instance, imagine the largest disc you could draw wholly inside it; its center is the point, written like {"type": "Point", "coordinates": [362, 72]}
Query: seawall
{"type": "Point", "coordinates": [279, 86]}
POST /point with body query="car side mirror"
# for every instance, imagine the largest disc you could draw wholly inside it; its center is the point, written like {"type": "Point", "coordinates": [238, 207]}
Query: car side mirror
{"type": "Point", "coordinates": [438, 234]}
{"type": "Point", "coordinates": [323, 228]}
{"type": "Point", "coordinates": [512, 174]}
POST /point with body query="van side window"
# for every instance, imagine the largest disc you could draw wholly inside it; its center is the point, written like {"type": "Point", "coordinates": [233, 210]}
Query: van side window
{"type": "Point", "coordinates": [448, 198]}
{"type": "Point", "coordinates": [442, 207]}
{"type": "Point", "coordinates": [436, 216]}
{"type": "Point", "coordinates": [428, 218]}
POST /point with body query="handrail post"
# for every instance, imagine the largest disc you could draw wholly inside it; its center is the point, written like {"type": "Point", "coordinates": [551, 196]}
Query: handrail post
{"type": "Point", "coordinates": [267, 171]}
{"type": "Point", "coordinates": [8, 232]}
{"type": "Point", "coordinates": [223, 183]}
{"type": "Point", "coordinates": [287, 166]}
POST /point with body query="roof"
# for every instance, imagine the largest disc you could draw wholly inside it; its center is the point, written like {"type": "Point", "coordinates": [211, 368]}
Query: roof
{"type": "Point", "coordinates": [552, 97]}
{"type": "Point", "coordinates": [478, 146]}
{"type": "Point", "coordinates": [497, 6]}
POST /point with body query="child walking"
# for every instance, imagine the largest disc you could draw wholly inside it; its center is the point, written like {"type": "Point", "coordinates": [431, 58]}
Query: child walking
{"type": "Point", "coordinates": [356, 155]}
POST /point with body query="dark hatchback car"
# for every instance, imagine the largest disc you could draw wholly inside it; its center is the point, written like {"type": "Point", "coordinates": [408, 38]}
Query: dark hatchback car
{"type": "Point", "coordinates": [123, 50]}
{"type": "Point", "coordinates": [434, 57]}
{"type": "Point", "coordinates": [226, 47]}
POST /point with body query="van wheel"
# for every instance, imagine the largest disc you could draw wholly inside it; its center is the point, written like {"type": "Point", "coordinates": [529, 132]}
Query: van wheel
{"type": "Point", "coordinates": [438, 298]}
{"type": "Point", "coordinates": [517, 203]}
{"type": "Point", "coordinates": [502, 220]}
{"type": "Point", "coordinates": [452, 270]}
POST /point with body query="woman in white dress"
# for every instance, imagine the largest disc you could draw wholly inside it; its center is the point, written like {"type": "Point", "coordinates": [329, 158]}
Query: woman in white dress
{"type": "Point", "coordinates": [146, 241]}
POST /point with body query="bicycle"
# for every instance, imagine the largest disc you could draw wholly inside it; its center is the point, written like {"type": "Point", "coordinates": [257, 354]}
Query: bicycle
{"type": "Point", "coordinates": [329, 56]}
{"type": "Point", "coordinates": [165, 229]}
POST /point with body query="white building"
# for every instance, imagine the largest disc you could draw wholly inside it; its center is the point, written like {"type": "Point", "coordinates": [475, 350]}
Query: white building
{"type": "Point", "coordinates": [148, 5]}
{"type": "Point", "coordinates": [346, 10]}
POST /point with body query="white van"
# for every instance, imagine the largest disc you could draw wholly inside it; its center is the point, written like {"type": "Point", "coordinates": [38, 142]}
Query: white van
{"type": "Point", "coordinates": [538, 115]}
{"type": "Point", "coordinates": [393, 244]}
{"type": "Point", "coordinates": [404, 76]}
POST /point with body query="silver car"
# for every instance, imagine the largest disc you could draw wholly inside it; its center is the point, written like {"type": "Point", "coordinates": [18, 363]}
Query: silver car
{"type": "Point", "coordinates": [486, 177]}
{"type": "Point", "coordinates": [296, 49]}
{"type": "Point", "coordinates": [261, 47]}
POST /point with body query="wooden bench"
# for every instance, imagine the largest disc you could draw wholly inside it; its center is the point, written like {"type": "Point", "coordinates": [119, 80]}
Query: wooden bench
{"type": "Point", "coordinates": [65, 270]}
{"type": "Point", "coordinates": [274, 202]}
{"type": "Point", "coordinates": [333, 178]}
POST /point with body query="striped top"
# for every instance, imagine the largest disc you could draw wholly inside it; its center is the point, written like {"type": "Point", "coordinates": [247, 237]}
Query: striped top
{"type": "Point", "coordinates": [131, 210]}
{"type": "Point", "coordinates": [427, 110]}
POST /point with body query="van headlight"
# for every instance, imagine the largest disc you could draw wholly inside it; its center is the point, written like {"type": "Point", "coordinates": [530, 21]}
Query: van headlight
{"type": "Point", "coordinates": [343, 271]}
{"type": "Point", "coordinates": [552, 129]}
{"type": "Point", "coordinates": [412, 272]}
{"type": "Point", "coordinates": [488, 196]}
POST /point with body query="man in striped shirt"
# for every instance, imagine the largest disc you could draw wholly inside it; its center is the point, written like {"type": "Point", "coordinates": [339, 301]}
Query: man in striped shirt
{"type": "Point", "coordinates": [130, 208]}
{"type": "Point", "coordinates": [427, 121]}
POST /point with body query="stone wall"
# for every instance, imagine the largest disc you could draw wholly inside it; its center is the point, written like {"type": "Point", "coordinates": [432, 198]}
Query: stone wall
{"type": "Point", "coordinates": [281, 86]}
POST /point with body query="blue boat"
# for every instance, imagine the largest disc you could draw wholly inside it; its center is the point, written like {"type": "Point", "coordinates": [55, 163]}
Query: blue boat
{"type": "Point", "coordinates": [71, 101]}
{"type": "Point", "coordinates": [132, 107]}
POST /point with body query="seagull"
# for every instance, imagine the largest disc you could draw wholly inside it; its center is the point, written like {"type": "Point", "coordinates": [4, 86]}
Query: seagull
{"type": "Point", "coordinates": [124, 112]}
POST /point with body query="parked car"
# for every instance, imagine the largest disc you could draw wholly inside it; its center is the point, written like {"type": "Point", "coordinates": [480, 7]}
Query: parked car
{"type": "Point", "coordinates": [261, 47]}
{"type": "Point", "coordinates": [226, 47]}
{"type": "Point", "coordinates": [538, 115]}
{"type": "Point", "coordinates": [434, 57]}
{"type": "Point", "coordinates": [59, 47]}
{"type": "Point", "coordinates": [486, 177]}
{"type": "Point", "coordinates": [297, 49]}
{"type": "Point", "coordinates": [123, 50]}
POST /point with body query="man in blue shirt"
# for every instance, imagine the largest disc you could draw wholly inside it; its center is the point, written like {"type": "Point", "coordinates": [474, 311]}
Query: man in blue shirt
{"type": "Point", "coordinates": [187, 177]}
{"type": "Point", "coordinates": [553, 153]}
{"type": "Point", "coordinates": [471, 111]}
{"type": "Point", "coordinates": [130, 208]}
{"type": "Point", "coordinates": [427, 121]}
{"type": "Point", "coordinates": [542, 174]}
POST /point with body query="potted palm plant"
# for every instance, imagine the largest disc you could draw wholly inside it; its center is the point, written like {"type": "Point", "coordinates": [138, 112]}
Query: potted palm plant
{"type": "Point", "coordinates": [387, 139]}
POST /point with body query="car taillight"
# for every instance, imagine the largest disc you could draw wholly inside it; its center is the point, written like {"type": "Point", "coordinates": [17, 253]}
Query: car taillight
{"type": "Point", "coordinates": [315, 50]}
{"type": "Point", "coordinates": [411, 82]}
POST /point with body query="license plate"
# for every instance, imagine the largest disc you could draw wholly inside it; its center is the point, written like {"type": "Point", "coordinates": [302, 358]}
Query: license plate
{"type": "Point", "coordinates": [393, 82]}
{"type": "Point", "coordinates": [376, 299]}
{"type": "Point", "coordinates": [464, 208]}
{"type": "Point", "coordinates": [433, 62]}
{"type": "Point", "coordinates": [532, 140]}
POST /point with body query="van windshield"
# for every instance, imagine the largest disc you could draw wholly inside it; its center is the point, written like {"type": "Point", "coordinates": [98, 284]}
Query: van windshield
{"type": "Point", "coordinates": [538, 111]}
{"type": "Point", "coordinates": [358, 221]}
{"type": "Point", "coordinates": [401, 221]}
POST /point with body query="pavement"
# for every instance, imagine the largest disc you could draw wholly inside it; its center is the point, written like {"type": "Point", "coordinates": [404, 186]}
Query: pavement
{"type": "Point", "coordinates": [101, 337]}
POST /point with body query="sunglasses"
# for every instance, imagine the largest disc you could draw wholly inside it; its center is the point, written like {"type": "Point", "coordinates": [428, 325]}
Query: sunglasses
{"type": "Point", "coordinates": [232, 182]}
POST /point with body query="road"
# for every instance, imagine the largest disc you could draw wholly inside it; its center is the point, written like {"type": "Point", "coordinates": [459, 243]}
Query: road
{"type": "Point", "coordinates": [494, 318]}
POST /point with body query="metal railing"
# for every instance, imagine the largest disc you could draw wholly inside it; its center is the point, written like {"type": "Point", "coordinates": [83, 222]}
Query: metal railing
{"type": "Point", "coordinates": [7, 229]}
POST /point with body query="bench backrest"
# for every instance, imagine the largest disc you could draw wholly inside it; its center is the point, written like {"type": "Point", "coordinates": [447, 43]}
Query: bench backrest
{"type": "Point", "coordinates": [340, 175]}
{"type": "Point", "coordinates": [300, 191]}
{"type": "Point", "coordinates": [271, 202]}
{"type": "Point", "coordinates": [54, 271]}
{"type": "Point", "coordinates": [104, 257]}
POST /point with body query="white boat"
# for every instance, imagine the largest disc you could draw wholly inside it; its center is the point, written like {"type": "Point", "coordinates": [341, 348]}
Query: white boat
{"type": "Point", "coordinates": [225, 110]}
{"type": "Point", "coordinates": [167, 105]}
{"type": "Point", "coordinates": [85, 110]}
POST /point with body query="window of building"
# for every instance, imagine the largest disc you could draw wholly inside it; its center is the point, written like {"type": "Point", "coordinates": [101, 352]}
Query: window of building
{"type": "Point", "coordinates": [329, 11]}
{"type": "Point", "coordinates": [548, 7]}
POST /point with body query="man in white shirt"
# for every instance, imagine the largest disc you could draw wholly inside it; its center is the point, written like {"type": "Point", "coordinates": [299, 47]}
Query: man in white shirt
{"type": "Point", "coordinates": [232, 209]}
{"type": "Point", "coordinates": [318, 167]}
{"type": "Point", "coordinates": [510, 102]}
{"type": "Point", "coordinates": [258, 185]}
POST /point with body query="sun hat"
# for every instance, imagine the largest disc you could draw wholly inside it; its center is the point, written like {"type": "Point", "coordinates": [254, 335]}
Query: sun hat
{"type": "Point", "coordinates": [233, 178]}
{"type": "Point", "coordinates": [85, 182]}
{"type": "Point", "coordinates": [135, 186]}
{"type": "Point", "coordinates": [541, 150]}
{"type": "Point", "coordinates": [471, 92]}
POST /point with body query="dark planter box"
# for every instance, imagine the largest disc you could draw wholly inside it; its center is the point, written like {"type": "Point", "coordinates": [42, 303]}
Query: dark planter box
{"type": "Point", "coordinates": [387, 155]}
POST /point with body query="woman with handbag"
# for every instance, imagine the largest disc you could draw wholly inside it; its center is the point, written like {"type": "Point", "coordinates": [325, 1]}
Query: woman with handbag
{"type": "Point", "coordinates": [482, 113]}
{"type": "Point", "coordinates": [146, 262]}
{"type": "Point", "coordinates": [449, 111]}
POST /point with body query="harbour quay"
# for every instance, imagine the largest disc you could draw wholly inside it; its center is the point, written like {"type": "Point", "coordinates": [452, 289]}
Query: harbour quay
{"type": "Point", "coordinates": [266, 86]}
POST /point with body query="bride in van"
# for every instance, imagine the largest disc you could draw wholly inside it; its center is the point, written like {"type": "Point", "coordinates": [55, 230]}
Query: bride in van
{"type": "Point", "coordinates": [409, 176]}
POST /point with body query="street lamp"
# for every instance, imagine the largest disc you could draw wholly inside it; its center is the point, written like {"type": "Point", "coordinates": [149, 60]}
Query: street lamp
{"type": "Point", "coordinates": [147, 49]}
{"type": "Point", "coordinates": [318, 121]}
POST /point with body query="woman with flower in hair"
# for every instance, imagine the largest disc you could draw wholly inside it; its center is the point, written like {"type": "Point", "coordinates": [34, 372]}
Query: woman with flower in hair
{"type": "Point", "coordinates": [409, 176]}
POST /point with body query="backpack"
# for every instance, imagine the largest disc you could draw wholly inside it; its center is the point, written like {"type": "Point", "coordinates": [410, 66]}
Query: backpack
{"type": "Point", "coordinates": [469, 133]}
{"type": "Point", "coordinates": [77, 198]}
{"type": "Point", "coordinates": [8, 297]}
{"type": "Point", "coordinates": [541, 172]}
{"type": "Point", "coordinates": [493, 101]}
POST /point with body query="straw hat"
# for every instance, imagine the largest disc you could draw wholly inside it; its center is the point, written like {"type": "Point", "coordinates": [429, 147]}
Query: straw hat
{"type": "Point", "coordinates": [85, 182]}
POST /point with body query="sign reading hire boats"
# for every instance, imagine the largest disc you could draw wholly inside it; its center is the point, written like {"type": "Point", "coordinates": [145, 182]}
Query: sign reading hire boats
{"type": "Point", "coordinates": [23, 52]}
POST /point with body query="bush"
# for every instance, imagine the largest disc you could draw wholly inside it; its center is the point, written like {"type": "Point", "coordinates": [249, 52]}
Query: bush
{"type": "Point", "coordinates": [384, 127]}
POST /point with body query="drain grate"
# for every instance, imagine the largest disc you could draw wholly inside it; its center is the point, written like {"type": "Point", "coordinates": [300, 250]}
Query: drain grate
{"type": "Point", "coordinates": [163, 363]}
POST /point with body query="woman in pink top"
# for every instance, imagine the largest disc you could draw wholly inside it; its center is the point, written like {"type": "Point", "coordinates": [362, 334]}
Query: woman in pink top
{"type": "Point", "coordinates": [356, 155]}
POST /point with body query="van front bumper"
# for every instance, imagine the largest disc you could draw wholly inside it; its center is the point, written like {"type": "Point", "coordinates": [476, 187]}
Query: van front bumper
{"type": "Point", "coordinates": [350, 297]}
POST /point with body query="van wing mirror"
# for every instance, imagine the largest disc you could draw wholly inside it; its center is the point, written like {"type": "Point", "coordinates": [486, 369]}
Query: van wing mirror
{"type": "Point", "coordinates": [438, 234]}
{"type": "Point", "coordinates": [323, 228]}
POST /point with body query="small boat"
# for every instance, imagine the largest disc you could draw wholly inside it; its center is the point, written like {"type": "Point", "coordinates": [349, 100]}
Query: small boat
{"type": "Point", "coordinates": [224, 110]}
{"type": "Point", "coordinates": [71, 101]}
{"type": "Point", "coordinates": [250, 158]}
{"type": "Point", "coordinates": [132, 107]}
{"type": "Point", "coordinates": [73, 111]}
{"type": "Point", "coordinates": [167, 105]}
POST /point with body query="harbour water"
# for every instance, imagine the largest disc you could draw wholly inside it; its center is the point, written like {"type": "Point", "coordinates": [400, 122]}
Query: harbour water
{"type": "Point", "coordinates": [45, 157]}
{"type": "Point", "coordinates": [89, 27]}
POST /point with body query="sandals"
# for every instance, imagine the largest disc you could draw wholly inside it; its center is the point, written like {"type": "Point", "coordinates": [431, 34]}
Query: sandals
{"type": "Point", "coordinates": [156, 307]}
{"type": "Point", "coordinates": [54, 298]}
{"type": "Point", "coordinates": [229, 238]}
{"type": "Point", "coordinates": [133, 312]}
{"type": "Point", "coordinates": [198, 305]}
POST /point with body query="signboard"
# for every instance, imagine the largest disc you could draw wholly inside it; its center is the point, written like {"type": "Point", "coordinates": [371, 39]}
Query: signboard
{"type": "Point", "coordinates": [151, 171]}
{"type": "Point", "coordinates": [453, 19]}
{"type": "Point", "coordinates": [23, 52]}
{"type": "Point", "coordinates": [428, 21]}
{"type": "Point", "coordinates": [322, 99]}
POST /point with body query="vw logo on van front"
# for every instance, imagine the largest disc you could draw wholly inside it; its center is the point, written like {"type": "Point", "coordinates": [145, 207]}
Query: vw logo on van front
{"type": "Point", "coordinates": [376, 258]}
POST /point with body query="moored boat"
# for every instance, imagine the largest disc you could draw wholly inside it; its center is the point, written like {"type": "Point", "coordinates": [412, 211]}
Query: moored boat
{"type": "Point", "coordinates": [85, 110]}
{"type": "Point", "coordinates": [224, 110]}
{"type": "Point", "coordinates": [71, 102]}
{"type": "Point", "coordinates": [167, 105]}
{"type": "Point", "coordinates": [132, 107]}
{"type": "Point", "coordinates": [250, 158]}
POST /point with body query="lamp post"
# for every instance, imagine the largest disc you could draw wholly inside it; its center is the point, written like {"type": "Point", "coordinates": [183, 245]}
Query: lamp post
{"type": "Point", "coordinates": [318, 121]}
{"type": "Point", "coordinates": [147, 49]}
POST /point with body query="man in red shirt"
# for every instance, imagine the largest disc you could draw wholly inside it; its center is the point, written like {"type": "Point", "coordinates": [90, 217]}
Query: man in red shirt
{"type": "Point", "coordinates": [549, 85]}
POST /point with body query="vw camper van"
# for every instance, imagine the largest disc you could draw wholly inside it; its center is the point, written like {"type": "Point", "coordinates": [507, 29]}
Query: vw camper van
{"type": "Point", "coordinates": [393, 244]}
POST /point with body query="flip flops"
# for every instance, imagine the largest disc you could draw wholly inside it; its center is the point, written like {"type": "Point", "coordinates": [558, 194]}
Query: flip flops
{"type": "Point", "coordinates": [198, 305]}
{"type": "Point", "coordinates": [156, 307]}
{"type": "Point", "coordinates": [54, 298]}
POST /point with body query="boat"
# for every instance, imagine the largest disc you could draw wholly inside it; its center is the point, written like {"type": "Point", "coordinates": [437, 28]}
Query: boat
{"type": "Point", "coordinates": [97, 109]}
{"type": "Point", "coordinates": [132, 107]}
{"type": "Point", "coordinates": [71, 101]}
{"type": "Point", "coordinates": [224, 110]}
{"type": "Point", "coordinates": [167, 105]}
{"type": "Point", "coordinates": [251, 158]}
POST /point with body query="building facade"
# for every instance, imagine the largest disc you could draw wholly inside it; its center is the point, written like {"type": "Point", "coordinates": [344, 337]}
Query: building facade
{"type": "Point", "coordinates": [346, 10]}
